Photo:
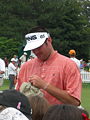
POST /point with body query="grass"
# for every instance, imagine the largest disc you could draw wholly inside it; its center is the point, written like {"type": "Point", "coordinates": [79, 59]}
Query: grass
{"type": "Point", "coordinates": [5, 85]}
{"type": "Point", "coordinates": [86, 97]}
{"type": "Point", "coordinates": [85, 100]}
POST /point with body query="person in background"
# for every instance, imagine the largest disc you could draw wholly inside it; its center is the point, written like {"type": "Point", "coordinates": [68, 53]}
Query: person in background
{"type": "Point", "coordinates": [6, 62]}
{"type": "Point", "coordinates": [65, 112]}
{"type": "Point", "coordinates": [16, 58]}
{"type": "Point", "coordinates": [2, 71]}
{"type": "Point", "coordinates": [12, 71]}
{"type": "Point", "coordinates": [81, 65]}
{"type": "Point", "coordinates": [17, 63]}
{"type": "Point", "coordinates": [39, 106]}
{"type": "Point", "coordinates": [54, 74]}
{"type": "Point", "coordinates": [32, 56]}
{"type": "Point", "coordinates": [88, 65]}
{"type": "Point", "coordinates": [23, 58]}
{"type": "Point", "coordinates": [72, 54]}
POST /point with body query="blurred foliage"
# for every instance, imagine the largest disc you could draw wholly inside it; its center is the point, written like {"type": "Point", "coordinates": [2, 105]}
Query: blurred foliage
{"type": "Point", "coordinates": [68, 21]}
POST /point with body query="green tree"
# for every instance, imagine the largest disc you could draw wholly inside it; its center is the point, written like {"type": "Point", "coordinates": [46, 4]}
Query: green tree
{"type": "Point", "coordinates": [65, 19]}
{"type": "Point", "coordinates": [8, 47]}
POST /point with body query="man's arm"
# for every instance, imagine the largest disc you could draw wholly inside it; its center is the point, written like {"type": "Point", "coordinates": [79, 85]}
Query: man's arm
{"type": "Point", "coordinates": [61, 95]}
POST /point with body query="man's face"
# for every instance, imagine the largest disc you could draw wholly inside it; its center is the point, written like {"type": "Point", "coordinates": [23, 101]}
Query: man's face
{"type": "Point", "coordinates": [43, 51]}
{"type": "Point", "coordinates": [14, 62]}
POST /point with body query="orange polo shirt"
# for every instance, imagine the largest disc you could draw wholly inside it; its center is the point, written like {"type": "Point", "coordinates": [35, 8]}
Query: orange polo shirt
{"type": "Point", "coordinates": [58, 70]}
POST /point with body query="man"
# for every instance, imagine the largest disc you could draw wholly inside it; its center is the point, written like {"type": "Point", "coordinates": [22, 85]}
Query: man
{"type": "Point", "coordinates": [12, 71]}
{"type": "Point", "coordinates": [2, 71]}
{"type": "Point", "coordinates": [56, 75]}
{"type": "Point", "coordinates": [72, 54]}
{"type": "Point", "coordinates": [23, 58]}
{"type": "Point", "coordinates": [16, 58]}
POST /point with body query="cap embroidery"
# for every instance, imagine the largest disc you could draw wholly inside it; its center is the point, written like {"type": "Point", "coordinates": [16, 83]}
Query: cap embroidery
{"type": "Point", "coordinates": [42, 36]}
{"type": "Point", "coordinates": [31, 38]}
{"type": "Point", "coordinates": [19, 105]}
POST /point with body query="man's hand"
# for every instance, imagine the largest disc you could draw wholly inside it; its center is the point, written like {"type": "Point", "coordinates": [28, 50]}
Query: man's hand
{"type": "Point", "coordinates": [37, 82]}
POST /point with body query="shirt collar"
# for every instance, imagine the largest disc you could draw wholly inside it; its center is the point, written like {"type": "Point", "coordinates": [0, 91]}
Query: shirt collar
{"type": "Point", "coordinates": [50, 59]}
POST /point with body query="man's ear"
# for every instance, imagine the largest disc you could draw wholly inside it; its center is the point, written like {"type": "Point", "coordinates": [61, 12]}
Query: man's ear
{"type": "Point", "coordinates": [50, 39]}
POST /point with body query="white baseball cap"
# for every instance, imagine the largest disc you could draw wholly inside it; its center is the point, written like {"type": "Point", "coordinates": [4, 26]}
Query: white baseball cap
{"type": "Point", "coordinates": [13, 59]}
{"type": "Point", "coordinates": [35, 40]}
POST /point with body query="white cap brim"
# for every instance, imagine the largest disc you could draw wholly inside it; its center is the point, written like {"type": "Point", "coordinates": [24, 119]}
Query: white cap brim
{"type": "Point", "coordinates": [35, 40]}
{"type": "Point", "coordinates": [13, 60]}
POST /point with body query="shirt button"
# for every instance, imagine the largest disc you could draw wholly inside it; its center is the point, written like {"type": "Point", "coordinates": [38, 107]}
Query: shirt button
{"type": "Point", "coordinates": [42, 76]}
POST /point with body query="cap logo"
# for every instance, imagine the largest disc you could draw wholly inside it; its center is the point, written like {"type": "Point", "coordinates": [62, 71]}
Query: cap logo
{"type": "Point", "coordinates": [42, 36]}
{"type": "Point", "coordinates": [34, 36]}
{"type": "Point", "coordinates": [19, 105]}
{"type": "Point", "coordinates": [31, 38]}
